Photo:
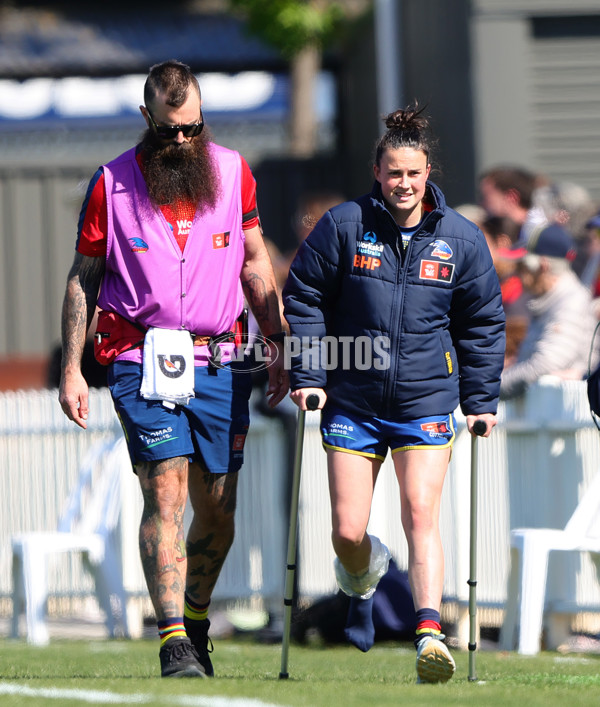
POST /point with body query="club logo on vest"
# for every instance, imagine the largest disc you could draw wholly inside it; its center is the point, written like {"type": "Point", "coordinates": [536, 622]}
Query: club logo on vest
{"type": "Point", "coordinates": [441, 250]}
{"type": "Point", "coordinates": [432, 270]}
{"type": "Point", "coordinates": [138, 245]}
{"type": "Point", "coordinates": [171, 366]}
{"type": "Point", "coordinates": [220, 240]}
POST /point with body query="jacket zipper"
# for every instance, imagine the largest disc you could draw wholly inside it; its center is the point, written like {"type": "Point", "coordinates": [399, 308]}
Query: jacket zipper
{"type": "Point", "coordinates": [394, 340]}
{"type": "Point", "coordinates": [403, 260]}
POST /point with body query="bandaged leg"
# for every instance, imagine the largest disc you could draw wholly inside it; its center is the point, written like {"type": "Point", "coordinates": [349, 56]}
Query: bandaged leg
{"type": "Point", "coordinates": [360, 588]}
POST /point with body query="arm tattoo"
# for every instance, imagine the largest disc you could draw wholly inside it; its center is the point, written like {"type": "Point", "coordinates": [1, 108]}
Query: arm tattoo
{"type": "Point", "coordinates": [83, 285]}
{"type": "Point", "coordinates": [256, 293]}
{"type": "Point", "coordinates": [259, 285]}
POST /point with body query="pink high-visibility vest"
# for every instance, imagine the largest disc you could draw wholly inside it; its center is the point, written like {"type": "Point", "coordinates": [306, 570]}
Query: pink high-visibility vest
{"type": "Point", "coordinates": [148, 279]}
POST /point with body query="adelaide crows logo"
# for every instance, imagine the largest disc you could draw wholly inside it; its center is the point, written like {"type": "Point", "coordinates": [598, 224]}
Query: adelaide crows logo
{"type": "Point", "coordinates": [441, 250]}
{"type": "Point", "coordinates": [171, 366]}
{"type": "Point", "coordinates": [138, 245]}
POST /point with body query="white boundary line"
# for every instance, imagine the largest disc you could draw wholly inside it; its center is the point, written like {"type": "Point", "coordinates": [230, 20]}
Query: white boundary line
{"type": "Point", "coordinates": [104, 697]}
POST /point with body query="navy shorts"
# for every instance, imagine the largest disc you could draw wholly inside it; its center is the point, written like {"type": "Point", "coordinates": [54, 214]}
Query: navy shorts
{"type": "Point", "coordinates": [373, 436]}
{"type": "Point", "coordinates": [211, 430]}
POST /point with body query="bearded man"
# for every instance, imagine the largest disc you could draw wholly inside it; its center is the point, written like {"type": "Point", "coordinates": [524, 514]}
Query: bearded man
{"type": "Point", "coordinates": [169, 245]}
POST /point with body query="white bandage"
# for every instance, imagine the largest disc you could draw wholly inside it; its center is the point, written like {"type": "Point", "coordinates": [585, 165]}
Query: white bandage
{"type": "Point", "coordinates": [363, 586]}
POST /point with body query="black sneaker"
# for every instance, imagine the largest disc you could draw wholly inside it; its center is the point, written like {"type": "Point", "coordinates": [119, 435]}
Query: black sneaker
{"type": "Point", "coordinates": [178, 659]}
{"type": "Point", "coordinates": [197, 632]}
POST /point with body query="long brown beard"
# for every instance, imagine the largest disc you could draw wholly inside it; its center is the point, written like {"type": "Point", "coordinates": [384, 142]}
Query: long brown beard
{"type": "Point", "coordinates": [183, 172]}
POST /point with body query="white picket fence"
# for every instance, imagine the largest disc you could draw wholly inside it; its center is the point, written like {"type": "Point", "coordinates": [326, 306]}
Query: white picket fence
{"type": "Point", "coordinates": [40, 456]}
{"type": "Point", "coordinates": [532, 471]}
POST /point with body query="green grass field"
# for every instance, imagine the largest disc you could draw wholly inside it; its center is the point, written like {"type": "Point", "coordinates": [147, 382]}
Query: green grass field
{"type": "Point", "coordinates": [75, 673]}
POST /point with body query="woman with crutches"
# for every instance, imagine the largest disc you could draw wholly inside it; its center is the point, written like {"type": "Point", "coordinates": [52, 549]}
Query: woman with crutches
{"type": "Point", "coordinates": [396, 318]}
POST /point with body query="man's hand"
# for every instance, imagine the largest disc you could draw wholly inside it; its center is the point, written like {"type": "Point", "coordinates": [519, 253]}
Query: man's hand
{"type": "Point", "coordinates": [279, 382]}
{"type": "Point", "coordinates": [73, 397]}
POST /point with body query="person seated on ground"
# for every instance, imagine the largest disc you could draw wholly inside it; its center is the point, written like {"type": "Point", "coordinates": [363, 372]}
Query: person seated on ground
{"type": "Point", "coordinates": [562, 322]}
{"type": "Point", "coordinates": [394, 616]}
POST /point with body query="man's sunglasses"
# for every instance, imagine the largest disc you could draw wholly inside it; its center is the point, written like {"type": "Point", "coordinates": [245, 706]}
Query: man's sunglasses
{"type": "Point", "coordinates": [168, 132]}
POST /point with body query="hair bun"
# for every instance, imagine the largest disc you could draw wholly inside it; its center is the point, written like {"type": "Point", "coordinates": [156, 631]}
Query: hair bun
{"type": "Point", "coordinates": [406, 128]}
{"type": "Point", "coordinates": [409, 119]}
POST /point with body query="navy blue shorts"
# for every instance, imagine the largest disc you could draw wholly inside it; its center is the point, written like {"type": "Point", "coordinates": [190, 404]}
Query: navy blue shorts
{"type": "Point", "coordinates": [373, 436]}
{"type": "Point", "coordinates": [211, 430]}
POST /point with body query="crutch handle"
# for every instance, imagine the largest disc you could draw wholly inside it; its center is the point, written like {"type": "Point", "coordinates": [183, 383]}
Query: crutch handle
{"type": "Point", "coordinates": [479, 428]}
{"type": "Point", "coordinates": [312, 402]}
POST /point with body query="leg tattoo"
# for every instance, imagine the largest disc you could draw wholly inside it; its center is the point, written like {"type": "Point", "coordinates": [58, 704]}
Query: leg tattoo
{"type": "Point", "coordinates": [211, 533]}
{"type": "Point", "coordinates": [162, 549]}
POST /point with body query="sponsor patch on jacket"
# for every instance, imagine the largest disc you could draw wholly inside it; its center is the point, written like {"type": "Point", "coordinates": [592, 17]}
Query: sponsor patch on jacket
{"type": "Point", "coordinates": [433, 270]}
{"type": "Point", "coordinates": [366, 261]}
{"type": "Point", "coordinates": [369, 245]}
{"type": "Point", "coordinates": [368, 252]}
{"type": "Point", "coordinates": [138, 245]}
{"type": "Point", "coordinates": [220, 240]}
{"type": "Point", "coordinates": [441, 250]}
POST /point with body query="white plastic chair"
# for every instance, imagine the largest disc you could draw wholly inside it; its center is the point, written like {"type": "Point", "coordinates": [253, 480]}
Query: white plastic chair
{"type": "Point", "coordinates": [530, 549]}
{"type": "Point", "coordinates": [88, 526]}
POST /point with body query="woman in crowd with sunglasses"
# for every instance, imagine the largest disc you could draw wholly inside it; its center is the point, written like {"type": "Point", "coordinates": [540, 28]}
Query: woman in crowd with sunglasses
{"type": "Point", "coordinates": [397, 308]}
{"type": "Point", "coordinates": [168, 244]}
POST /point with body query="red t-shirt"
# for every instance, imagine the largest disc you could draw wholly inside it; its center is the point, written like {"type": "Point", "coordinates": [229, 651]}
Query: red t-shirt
{"type": "Point", "coordinates": [91, 232]}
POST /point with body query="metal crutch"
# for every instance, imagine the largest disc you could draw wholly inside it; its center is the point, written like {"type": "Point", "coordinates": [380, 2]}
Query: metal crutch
{"type": "Point", "coordinates": [312, 403]}
{"type": "Point", "coordinates": [479, 428]}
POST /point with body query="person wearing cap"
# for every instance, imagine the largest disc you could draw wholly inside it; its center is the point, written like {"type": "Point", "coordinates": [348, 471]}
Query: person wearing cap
{"type": "Point", "coordinates": [562, 322]}
{"type": "Point", "coordinates": [590, 275]}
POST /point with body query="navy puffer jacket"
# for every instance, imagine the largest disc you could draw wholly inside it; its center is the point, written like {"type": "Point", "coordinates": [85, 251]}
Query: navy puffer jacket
{"type": "Point", "coordinates": [433, 314]}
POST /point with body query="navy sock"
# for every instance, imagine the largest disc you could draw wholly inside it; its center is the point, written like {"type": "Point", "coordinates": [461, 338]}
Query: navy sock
{"type": "Point", "coordinates": [359, 630]}
{"type": "Point", "coordinates": [428, 621]}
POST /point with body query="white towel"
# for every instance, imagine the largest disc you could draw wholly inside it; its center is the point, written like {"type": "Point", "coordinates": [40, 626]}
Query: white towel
{"type": "Point", "coordinates": [168, 366]}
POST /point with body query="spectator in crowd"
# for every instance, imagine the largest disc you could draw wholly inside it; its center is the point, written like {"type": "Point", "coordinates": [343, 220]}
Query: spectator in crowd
{"type": "Point", "coordinates": [507, 192]}
{"type": "Point", "coordinates": [311, 206]}
{"type": "Point", "coordinates": [501, 235]}
{"type": "Point", "coordinates": [571, 206]}
{"type": "Point", "coordinates": [562, 321]}
{"type": "Point", "coordinates": [473, 212]}
{"type": "Point", "coordinates": [169, 243]}
{"type": "Point", "coordinates": [590, 275]}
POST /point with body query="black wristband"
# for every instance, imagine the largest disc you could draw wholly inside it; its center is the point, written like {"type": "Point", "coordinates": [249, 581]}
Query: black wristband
{"type": "Point", "coordinates": [277, 338]}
